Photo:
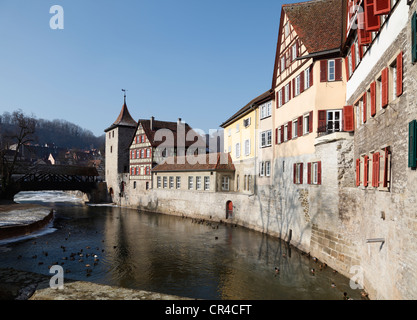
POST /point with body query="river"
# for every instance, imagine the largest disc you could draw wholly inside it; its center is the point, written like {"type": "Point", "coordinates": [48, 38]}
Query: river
{"type": "Point", "coordinates": [173, 255]}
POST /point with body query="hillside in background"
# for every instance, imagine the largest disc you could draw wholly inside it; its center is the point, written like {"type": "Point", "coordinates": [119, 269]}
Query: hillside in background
{"type": "Point", "coordinates": [59, 133]}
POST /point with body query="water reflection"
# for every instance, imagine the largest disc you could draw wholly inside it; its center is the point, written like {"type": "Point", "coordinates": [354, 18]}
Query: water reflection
{"type": "Point", "coordinates": [173, 255]}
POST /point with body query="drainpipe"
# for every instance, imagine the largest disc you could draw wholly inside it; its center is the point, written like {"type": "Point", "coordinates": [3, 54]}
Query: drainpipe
{"type": "Point", "coordinates": [256, 151]}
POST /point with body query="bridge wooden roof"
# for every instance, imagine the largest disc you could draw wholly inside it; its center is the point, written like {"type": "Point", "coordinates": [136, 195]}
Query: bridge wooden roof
{"type": "Point", "coordinates": [60, 170]}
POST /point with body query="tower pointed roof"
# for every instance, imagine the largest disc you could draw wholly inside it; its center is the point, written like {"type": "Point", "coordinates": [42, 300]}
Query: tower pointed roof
{"type": "Point", "coordinates": [124, 119]}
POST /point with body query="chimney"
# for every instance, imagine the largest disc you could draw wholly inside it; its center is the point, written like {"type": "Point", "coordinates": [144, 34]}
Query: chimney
{"type": "Point", "coordinates": [152, 120]}
{"type": "Point", "coordinates": [179, 120]}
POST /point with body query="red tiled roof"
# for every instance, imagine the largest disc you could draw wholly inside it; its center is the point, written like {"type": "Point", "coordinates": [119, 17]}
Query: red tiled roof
{"type": "Point", "coordinates": [204, 162]}
{"type": "Point", "coordinates": [124, 119]}
{"type": "Point", "coordinates": [172, 127]}
{"type": "Point", "coordinates": [318, 23]}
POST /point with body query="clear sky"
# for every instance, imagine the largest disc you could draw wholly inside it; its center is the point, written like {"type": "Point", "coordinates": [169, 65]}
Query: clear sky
{"type": "Point", "coordinates": [199, 60]}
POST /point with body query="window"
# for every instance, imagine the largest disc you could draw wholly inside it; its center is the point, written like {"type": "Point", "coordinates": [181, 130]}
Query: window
{"type": "Point", "coordinates": [247, 147]}
{"type": "Point", "coordinates": [165, 180]}
{"type": "Point", "coordinates": [330, 121]}
{"type": "Point", "coordinates": [314, 172]}
{"type": "Point", "coordinates": [207, 183]}
{"type": "Point", "coordinates": [246, 122]}
{"type": "Point", "coordinates": [298, 173]}
{"type": "Point", "coordinates": [265, 110]}
{"type": "Point", "coordinates": [158, 182]}
{"type": "Point", "coordinates": [279, 135]}
{"type": "Point", "coordinates": [237, 149]}
{"type": "Point", "coordinates": [307, 78]}
{"type": "Point", "coordinates": [261, 169]}
{"type": "Point", "coordinates": [287, 93]}
{"type": "Point", "coordinates": [171, 182]}
{"type": "Point", "coordinates": [225, 183]}
{"type": "Point", "coordinates": [306, 124]}
{"type": "Point", "coordinates": [266, 138]}
{"type": "Point", "coordinates": [237, 127]}
{"type": "Point", "coordinates": [267, 168]}
{"type": "Point", "coordinates": [295, 128]}
{"type": "Point", "coordinates": [229, 132]}
{"type": "Point", "coordinates": [350, 69]}
{"type": "Point", "coordinates": [198, 183]}
{"type": "Point", "coordinates": [282, 63]}
{"type": "Point", "coordinates": [190, 183]}
{"type": "Point", "coordinates": [379, 93]}
{"type": "Point", "coordinates": [178, 181]}
{"type": "Point", "coordinates": [331, 70]}
{"type": "Point", "coordinates": [148, 153]}
{"type": "Point", "coordinates": [285, 132]}
{"type": "Point", "coordinates": [279, 98]}
{"type": "Point", "coordinates": [357, 55]}
{"type": "Point", "coordinates": [297, 85]}
{"type": "Point", "coordinates": [294, 49]}
{"type": "Point", "coordinates": [358, 115]}
{"type": "Point", "coordinates": [142, 153]}
{"type": "Point", "coordinates": [287, 29]}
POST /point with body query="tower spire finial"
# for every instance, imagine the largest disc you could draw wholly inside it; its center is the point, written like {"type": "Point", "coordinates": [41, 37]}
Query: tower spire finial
{"type": "Point", "coordinates": [124, 91]}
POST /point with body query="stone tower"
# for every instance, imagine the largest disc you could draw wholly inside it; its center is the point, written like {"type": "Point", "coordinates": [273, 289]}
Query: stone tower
{"type": "Point", "coordinates": [118, 138]}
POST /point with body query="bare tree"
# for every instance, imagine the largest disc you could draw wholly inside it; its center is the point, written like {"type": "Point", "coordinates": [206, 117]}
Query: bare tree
{"type": "Point", "coordinates": [23, 134]}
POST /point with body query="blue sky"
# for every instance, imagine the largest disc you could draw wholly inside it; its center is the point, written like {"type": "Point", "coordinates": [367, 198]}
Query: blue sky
{"type": "Point", "coordinates": [196, 60]}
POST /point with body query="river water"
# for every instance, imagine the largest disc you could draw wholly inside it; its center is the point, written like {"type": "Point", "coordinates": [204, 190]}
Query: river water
{"type": "Point", "coordinates": [166, 254]}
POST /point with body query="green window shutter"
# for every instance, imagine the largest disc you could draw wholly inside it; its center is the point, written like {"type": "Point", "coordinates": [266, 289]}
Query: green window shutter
{"type": "Point", "coordinates": [414, 37]}
{"type": "Point", "coordinates": [412, 144]}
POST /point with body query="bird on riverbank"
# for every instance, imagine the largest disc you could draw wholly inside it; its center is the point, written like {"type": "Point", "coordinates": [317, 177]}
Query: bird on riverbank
{"type": "Point", "coordinates": [312, 271]}
{"type": "Point", "coordinates": [276, 271]}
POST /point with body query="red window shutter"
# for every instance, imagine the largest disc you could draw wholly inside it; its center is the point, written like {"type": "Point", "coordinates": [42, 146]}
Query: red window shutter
{"type": "Point", "coordinates": [360, 52]}
{"type": "Point", "coordinates": [386, 159]}
{"type": "Point", "coordinates": [302, 82]}
{"type": "Point", "coordinates": [277, 98]}
{"type": "Point", "coordinates": [309, 173]}
{"type": "Point", "coordinates": [295, 173]}
{"type": "Point", "coordinates": [289, 90]}
{"type": "Point", "coordinates": [311, 75]}
{"type": "Point", "coordinates": [358, 172]}
{"type": "Point", "coordinates": [338, 71]}
{"type": "Point", "coordinates": [310, 122]}
{"type": "Point", "coordinates": [300, 126]}
{"type": "Point", "coordinates": [382, 7]}
{"type": "Point", "coordinates": [365, 171]}
{"type": "Point", "coordinates": [373, 99]}
{"type": "Point", "coordinates": [282, 134]}
{"type": "Point", "coordinates": [348, 123]}
{"type": "Point", "coordinates": [365, 37]}
{"type": "Point", "coordinates": [364, 108]}
{"type": "Point", "coordinates": [276, 136]}
{"type": "Point", "coordinates": [301, 172]}
{"type": "Point", "coordinates": [289, 128]}
{"type": "Point", "coordinates": [372, 21]}
{"type": "Point", "coordinates": [400, 74]}
{"type": "Point", "coordinates": [323, 71]}
{"type": "Point", "coordinates": [283, 95]}
{"type": "Point", "coordinates": [322, 121]}
{"type": "Point", "coordinates": [319, 172]}
{"type": "Point", "coordinates": [353, 56]}
{"type": "Point", "coordinates": [384, 80]}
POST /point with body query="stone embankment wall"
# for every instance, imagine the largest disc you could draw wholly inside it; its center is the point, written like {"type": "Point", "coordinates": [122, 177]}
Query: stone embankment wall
{"type": "Point", "coordinates": [21, 230]}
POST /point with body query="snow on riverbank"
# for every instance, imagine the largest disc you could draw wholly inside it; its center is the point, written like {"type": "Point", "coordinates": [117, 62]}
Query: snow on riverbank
{"type": "Point", "coordinates": [23, 216]}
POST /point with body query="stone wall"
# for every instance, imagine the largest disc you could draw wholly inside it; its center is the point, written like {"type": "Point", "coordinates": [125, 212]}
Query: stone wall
{"type": "Point", "coordinates": [365, 213]}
